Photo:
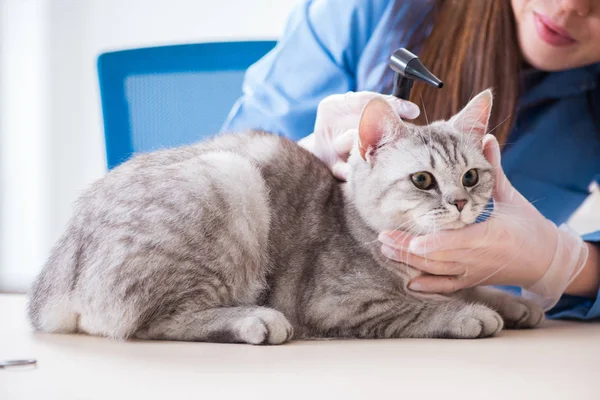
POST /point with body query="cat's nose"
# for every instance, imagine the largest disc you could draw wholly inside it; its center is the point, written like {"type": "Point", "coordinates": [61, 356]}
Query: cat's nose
{"type": "Point", "coordinates": [460, 204]}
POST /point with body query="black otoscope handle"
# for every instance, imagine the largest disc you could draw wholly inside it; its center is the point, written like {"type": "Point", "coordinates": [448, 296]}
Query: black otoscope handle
{"type": "Point", "coordinates": [402, 86]}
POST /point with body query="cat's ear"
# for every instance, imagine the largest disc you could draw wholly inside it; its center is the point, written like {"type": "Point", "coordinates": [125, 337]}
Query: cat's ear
{"type": "Point", "coordinates": [378, 123]}
{"type": "Point", "coordinates": [474, 118]}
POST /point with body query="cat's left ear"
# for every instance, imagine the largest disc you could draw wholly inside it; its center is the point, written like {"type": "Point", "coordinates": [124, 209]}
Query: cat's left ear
{"type": "Point", "coordinates": [474, 118]}
{"type": "Point", "coordinates": [378, 123]}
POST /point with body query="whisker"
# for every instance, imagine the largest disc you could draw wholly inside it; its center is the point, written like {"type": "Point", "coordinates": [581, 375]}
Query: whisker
{"type": "Point", "coordinates": [427, 121]}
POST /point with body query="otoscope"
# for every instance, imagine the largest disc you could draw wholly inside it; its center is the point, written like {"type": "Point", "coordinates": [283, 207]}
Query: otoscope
{"type": "Point", "coordinates": [408, 68]}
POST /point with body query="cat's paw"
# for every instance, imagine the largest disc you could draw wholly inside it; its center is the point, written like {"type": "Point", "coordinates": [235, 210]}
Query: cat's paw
{"type": "Point", "coordinates": [475, 321]}
{"type": "Point", "coordinates": [265, 326]}
{"type": "Point", "coordinates": [519, 313]}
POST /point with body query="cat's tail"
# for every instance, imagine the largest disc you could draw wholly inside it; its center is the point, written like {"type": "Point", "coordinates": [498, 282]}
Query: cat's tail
{"type": "Point", "coordinates": [50, 308]}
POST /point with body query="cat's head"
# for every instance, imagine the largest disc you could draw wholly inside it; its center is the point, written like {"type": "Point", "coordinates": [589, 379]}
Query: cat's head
{"type": "Point", "coordinates": [421, 178]}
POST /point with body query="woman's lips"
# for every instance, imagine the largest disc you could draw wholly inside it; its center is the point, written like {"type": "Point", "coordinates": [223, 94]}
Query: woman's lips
{"type": "Point", "coordinates": [551, 33]}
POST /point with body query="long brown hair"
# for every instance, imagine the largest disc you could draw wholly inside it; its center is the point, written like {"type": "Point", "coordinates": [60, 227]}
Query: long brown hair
{"type": "Point", "coordinates": [472, 46]}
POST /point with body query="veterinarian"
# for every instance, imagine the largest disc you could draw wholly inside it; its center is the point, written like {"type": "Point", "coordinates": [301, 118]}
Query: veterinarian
{"type": "Point", "coordinates": [541, 57]}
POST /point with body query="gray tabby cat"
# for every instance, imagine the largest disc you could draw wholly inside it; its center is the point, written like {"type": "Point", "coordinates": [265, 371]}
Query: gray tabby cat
{"type": "Point", "coordinates": [249, 238]}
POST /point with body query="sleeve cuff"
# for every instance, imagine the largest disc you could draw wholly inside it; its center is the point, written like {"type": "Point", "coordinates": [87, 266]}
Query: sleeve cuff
{"type": "Point", "coordinates": [574, 307]}
{"type": "Point", "coordinates": [592, 237]}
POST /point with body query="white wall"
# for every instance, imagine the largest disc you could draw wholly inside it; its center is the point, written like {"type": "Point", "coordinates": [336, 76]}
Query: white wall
{"type": "Point", "coordinates": [51, 138]}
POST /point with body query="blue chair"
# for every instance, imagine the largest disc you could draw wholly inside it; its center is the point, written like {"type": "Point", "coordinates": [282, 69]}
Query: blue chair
{"type": "Point", "coordinates": [168, 96]}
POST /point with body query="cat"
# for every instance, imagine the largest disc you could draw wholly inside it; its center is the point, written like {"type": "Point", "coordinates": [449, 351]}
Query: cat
{"type": "Point", "coordinates": [249, 238]}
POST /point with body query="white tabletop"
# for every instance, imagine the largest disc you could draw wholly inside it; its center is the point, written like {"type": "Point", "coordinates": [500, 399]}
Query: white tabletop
{"type": "Point", "coordinates": [559, 361]}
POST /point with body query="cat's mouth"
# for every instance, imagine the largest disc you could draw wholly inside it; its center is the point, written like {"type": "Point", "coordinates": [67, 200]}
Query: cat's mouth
{"type": "Point", "coordinates": [447, 221]}
{"type": "Point", "coordinates": [457, 224]}
{"type": "Point", "coordinates": [442, 226]}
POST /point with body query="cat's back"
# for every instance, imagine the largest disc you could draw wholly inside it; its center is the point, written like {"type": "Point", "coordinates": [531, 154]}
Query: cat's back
{"type": "Point", "coordinates": [206, 181]}
{"type": "Point", "coordinates": [271, 153]}
{"type": "Point", "coordinates": [283, 166]}
{"type": "Point", "coordinates": [240, 168]}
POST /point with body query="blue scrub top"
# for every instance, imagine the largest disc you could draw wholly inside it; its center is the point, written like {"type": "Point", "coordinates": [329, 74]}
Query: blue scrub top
{"type": "Point", "coordinates": [335, 46]}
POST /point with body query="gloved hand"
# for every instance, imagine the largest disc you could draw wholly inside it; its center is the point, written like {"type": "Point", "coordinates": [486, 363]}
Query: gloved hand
{"type": "Point", "coordinates": [336, 126]}
{"type": "Point", "coordinates": [515, 246]}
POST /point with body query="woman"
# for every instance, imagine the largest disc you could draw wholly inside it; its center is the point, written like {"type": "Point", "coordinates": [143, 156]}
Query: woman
{"type": "Point", "coordinates": [542, 57]}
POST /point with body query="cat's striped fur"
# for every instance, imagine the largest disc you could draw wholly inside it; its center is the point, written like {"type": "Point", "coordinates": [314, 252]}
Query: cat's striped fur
{"type": "Point", "coordinates": [249, 238]}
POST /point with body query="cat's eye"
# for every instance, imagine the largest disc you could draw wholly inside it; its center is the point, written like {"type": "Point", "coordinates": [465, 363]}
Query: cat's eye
{"type": "Point", "coordinates": [470, 178]}
{"type": "Point", "coordinates": [423, 180]}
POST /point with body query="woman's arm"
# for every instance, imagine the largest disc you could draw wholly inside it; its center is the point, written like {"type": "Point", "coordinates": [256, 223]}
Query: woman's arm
{"type": "Point", "coordinates": [317, 56]}
{"type": "Point", "coordinates": [587, 283]}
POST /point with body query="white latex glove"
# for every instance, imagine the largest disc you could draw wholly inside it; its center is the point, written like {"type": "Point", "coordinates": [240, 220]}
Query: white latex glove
{"type": "Point", "coordinates": [515, 246]}
{"type": "Point", "coordinates": [336, 126]}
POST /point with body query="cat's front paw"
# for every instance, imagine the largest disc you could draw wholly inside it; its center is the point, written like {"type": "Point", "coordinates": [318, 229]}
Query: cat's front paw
{"type": "Point", "coordinates": [519, 313]}
{"type": "Point", "coordinates": [475, 321]}
{"type": "Point", "coordinates": [266, 326]}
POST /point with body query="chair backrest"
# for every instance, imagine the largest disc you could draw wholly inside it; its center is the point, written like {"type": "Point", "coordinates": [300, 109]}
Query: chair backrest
{"type": "Point", "coordinates": [162, 97]}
